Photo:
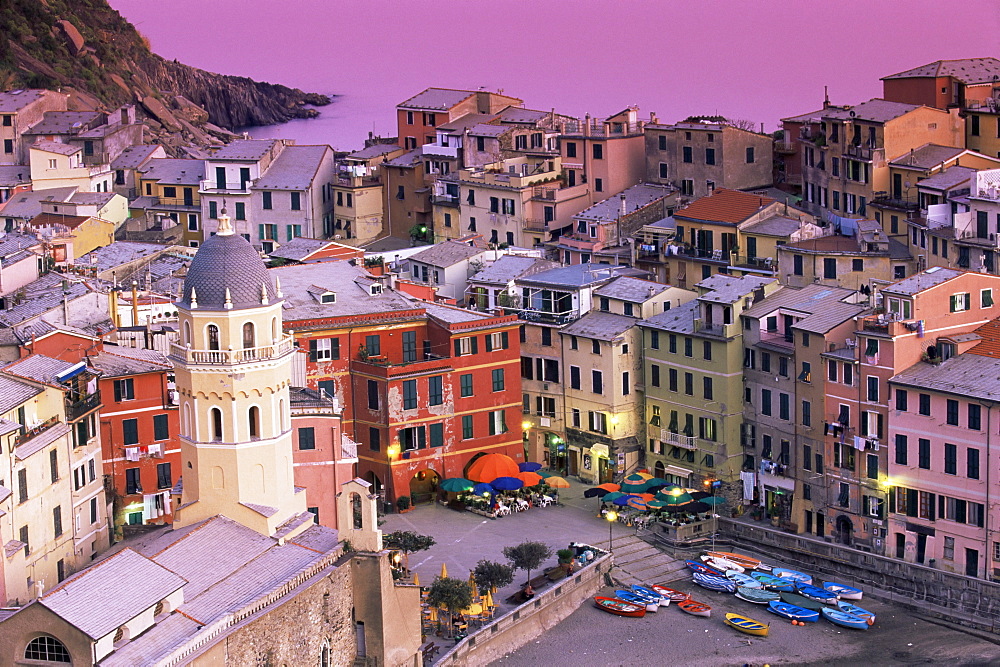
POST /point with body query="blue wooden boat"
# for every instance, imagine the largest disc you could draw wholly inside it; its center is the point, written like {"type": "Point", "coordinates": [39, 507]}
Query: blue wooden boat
{"type": "Point", "coordinates": [843, 619]}
{"type": "Point", "coordinates": [842, 591]}
{"type": "Point", "coordinates": [651, 594]}
{"type": "Point", "coordinates": [714, 583]}
{"type": "Point", "coordinates": [816, 593]}
{"type": "Point", "coordinates": [774, 583]}
{"type": "Point", "coordinates": [695, 566]}
{"type": "Point", "coordinates": [640, 600]}
{"type": "Point", "coordinates": [794, 575]}
{"type": "Point", "coordinates": [857, 611]}
{"type": "Point", "coordinates": [747, 625]}
{"type": "Point", "coordinates": [744, 580]}
{"type": "Point", "coordinates": [756, 595]}
{"type": "Point", "coordinates": [793, 612]}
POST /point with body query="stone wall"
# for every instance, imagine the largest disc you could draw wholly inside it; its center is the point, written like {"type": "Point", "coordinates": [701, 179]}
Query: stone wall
{"type": "Point", "coordinates": [964, 600]}
{"type": "Point", "coordinates": [518, 627]}
{"type": "Point", "coordinates": [294, 632]}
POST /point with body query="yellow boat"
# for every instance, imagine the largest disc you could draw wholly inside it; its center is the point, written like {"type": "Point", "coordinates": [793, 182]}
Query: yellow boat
{"type": "Point", "coordinates": [747, 625]}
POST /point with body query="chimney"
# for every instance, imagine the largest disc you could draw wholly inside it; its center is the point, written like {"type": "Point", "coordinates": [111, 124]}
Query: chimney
{"type": "Point", "coordinates": [826, 98]}
{"type": "Point", "coordinates": [586, 126]}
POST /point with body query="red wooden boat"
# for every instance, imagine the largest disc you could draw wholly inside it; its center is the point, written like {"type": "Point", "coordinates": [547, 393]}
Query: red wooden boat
{"type": "Point", "coordinates": [619, 607]}
{"type": "Point", "coordinates": [670, 593]}
{"type": "Point", "coordinates": [695, 608]}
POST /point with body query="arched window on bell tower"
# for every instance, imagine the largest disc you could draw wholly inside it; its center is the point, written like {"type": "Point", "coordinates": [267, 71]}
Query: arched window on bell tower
{"type": "Point", "coordinates": [254, 418]}
{"type": "Point", "coordinates": [187, 333]}
{"type": "Point", "coordinates": [213, 337]}
{"type": "Point", "coordinates": [248, 336]}
{"type": "Point", "coordinates": [216, 424]}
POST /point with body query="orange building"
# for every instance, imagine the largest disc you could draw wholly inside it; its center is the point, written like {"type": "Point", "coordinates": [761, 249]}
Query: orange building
{"type": "Point", "coordinates": [417, 117]}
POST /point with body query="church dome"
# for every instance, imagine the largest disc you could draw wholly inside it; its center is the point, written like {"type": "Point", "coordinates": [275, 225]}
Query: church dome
{"type": "Point", "coordinates": [226, 273]}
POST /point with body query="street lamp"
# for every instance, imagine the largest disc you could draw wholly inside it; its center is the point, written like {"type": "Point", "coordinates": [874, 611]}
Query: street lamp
{"type": "Point", "coordinates": [611, 516]}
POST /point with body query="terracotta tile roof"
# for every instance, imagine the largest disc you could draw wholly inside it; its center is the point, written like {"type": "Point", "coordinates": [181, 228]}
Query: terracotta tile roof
{"type": "Point", "coordinates": [989, 346]}
{"type": "Point", "coordinates": [728, 206]}
{"type": "Point", "coordinates": [46, 219]}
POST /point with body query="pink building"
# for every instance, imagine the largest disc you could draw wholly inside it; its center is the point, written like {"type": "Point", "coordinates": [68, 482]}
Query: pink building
{"type": "Point", "coordinates": [323, 457]}
{"type": "Point", "coordinates": [928, 316]}
{"type": "Point", "coordinates": [945, 418]}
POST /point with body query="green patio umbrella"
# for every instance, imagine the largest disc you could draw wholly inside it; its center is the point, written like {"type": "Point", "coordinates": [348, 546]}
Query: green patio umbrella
{"type": "Point", "coordinates": [714, 500]}
{"type": "Point", "coordinates": [546, 474]}
{"type": "Point", "coordinates": [674, 499]}
{"type": "Point", "coordinates": [656, 504]}
{"type": "Point", "coordinates": [457, 485]}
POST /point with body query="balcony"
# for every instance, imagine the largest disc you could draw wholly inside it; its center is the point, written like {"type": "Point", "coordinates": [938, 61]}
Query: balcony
{"type": "Point", "coordinates": [535, 225]}
{"type": "Point", "coordinates": [96, 159]}
{"type": "Point", "coordinates": [210, 186]}
{"type": "Point", "coordinates": [380, 366]}
{"type": "Point", "coordinates": [348, 448]}
{"type": "Point", "coordinates": [784, 146]}
{"type": "Point", "coordinates": [677, 440]}
{"type": "Point", "coordinates": [756, 263]}
{"type": "Point", "coordinates": [708, 254]}
{"type": "Point", "coordinates": [776, 339]}
{"type": "Point", "coordinates": [439, 150]}
{"type": "Point", "coordinates": [445, 200]}
{"type": "Point", "coordinates": [178, 203]}
{"type": "Point", "coordinates": [883, 200]}
{"type": "Point", "coordinates": [863, 152]}
{"type": "Point", "coordinates": [78, 408]}
{"type": "Point", "coordinates": [888, 324]}
{"type": "Point", "coordinates": [227, 357]}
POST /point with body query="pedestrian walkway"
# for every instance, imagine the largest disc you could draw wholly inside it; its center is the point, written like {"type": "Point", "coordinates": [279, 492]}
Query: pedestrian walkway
{"type": "Point", "coordinates": [638, 562]}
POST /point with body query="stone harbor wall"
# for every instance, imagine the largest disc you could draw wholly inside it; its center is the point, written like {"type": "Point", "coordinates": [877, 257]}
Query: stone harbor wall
{"type": "Point", "coordinates": [953, 597]}
{"type": "Point", "coordinates": [523, 624]}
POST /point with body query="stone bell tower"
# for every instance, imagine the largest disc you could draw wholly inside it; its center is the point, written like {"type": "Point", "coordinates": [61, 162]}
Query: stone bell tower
{"type": "Point", "coordinates": [233, 371]}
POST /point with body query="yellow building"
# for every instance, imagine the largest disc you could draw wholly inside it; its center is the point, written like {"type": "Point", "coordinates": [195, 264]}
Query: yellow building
{"type": "Point", "coordinates": [236, 439]}
{"type": "Point", "coordinates": [53, 514]}
{"type": "Point", "coordinates": [58, 165]}
{"type": "Point", "coordinates": [169, 189]}
{"type": "Point", "coordinates": [72, 236]}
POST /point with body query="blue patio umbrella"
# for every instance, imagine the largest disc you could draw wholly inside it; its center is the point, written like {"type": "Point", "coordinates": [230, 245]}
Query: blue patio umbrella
{"type": "Point", "coordinates": [529, 466]}
{"type": "Point", "coordinates": [482, 488]}
{"type": "Point", "coordinates": [622, 501]}
{"type": "Point", "coordinates": [506, 483]}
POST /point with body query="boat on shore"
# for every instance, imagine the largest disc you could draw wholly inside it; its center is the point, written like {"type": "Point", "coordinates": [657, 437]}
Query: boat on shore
{"type": "Point", "coordinates": [722, 564]}
{"type": "Point", "coordinates": [635, 598]}
{"type": "Point", "coordinates": [793, 612]}
{"type": "Point", "coordinates": [712, 583]}
{"type": "Point", "coordinates": [774, 583]}
{"type": "Point", "coordinates": [695, 566]}
{"type": "Point", "coordinates": [746, 562]}
{"type": "Point", "coordinates": [843, 592]}
{"type": "Point", "coordinates": [695, 608]}
{"type": "Point", "coordinates": [843, 619]}
{"type": "Point", "coordinates": [670, 593]}
{"type": "Point", "coordinates": [746, 624]}
{"type": "Point", "coordinates": [651, 594]}
{"type": "Point", "coordinates": [816, 593]}
{"type": "Point", "coordinates": [857, 611]}
{"type": "Point", "coordinates": [744, 580]}
{"type": "Point", "coordinates": [794, 575]}
{"type": "Point", "coordinates": [619, 607]}
{"type": "Point", "coordinates": [756, 595]}
{"type": "Point", "coordinates": [800, 601]}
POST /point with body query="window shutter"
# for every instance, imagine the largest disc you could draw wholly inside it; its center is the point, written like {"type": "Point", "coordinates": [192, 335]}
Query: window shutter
{"type": "Point", "coordinates": [458, 348]}
{"type": "Point", "coordinates": [118, 391]}
{"type": "Point", "coordinates": [879, 425]}
{"type": "Point", "coordinates": [968, 300]}
{"type": "Point", "coordinates": [504, 340]}
{"type": "Point", "coordinates": [911, 502]}
{"type": "Point", "coordinates": [313, 353]}
{"type": "Point", "coordinates": [475, 345]}
{"type": "Point", "coordinates": [892, 499]}
{"type": "Point", "coordinates": [931, 505]}
{"type": "Point", "coordinates": [864, 423]}
{"type": "Point", "coordinates": [260, 232]}
{"type": "Point", "coordinates": [489, 343]}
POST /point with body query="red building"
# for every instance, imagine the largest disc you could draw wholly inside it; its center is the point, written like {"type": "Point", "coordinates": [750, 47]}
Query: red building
{"type": "Point", "coordinates": [418, 117]}
{"type": "Point", "coordinates": [425, 387]}
{"type": "Point", "coordinates": [138, 421]}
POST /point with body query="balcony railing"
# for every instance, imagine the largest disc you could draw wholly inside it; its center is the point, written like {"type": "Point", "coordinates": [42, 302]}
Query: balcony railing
{"type": "Point", "coordinates": [535, 225]}
{"type": "Point", "coordinates": [445, 200]}
{"type": "Point", "coordinates": [548, 318]}
{"type": "Point", "coordinates": [348, 448]}
{"type": "Point", "coordinates": [861, 152]}
{"type": "Point", "coordinates": [223, 357]}
{"type": "Point", "coordinates": [211, 185]}
{"type": "Point", "coordinates": [78, 408]}
{"type": "Point", "coordinates": [677, 440]}
{"type": "Point", "coordinates": [178, 202]}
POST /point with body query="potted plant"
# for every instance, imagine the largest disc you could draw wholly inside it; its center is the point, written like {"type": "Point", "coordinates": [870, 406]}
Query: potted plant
{"type": "Point", "coordinates": [403, 504]}
{"type": "Point", "coordinates": [565, 556]}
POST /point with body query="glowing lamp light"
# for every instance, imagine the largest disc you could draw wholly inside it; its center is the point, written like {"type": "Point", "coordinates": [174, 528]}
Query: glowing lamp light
{"type": "Point", "coordinates": [707, 482]}
{"type": "Point", "coordinates": [611, 516]}
{"type": "Point", "coordinates": [392, 451]}
{"type": "Point", "coordinates": [614, 420]}
{"type": "Point", "coordinates": [526, 425]}
{"type": "Point", "coordinates": [676, 492]}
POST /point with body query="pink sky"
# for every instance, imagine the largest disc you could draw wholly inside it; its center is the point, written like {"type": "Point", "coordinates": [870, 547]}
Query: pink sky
{"type": "Point", "coordinates": [749, 59]}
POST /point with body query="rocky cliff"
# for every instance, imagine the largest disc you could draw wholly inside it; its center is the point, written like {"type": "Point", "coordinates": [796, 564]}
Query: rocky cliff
{"type": "Point", "coordinates": [88, 49]}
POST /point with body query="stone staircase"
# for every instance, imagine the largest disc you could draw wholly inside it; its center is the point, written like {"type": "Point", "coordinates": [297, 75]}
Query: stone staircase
{"type": "Point", "coordinates": [638, 562]}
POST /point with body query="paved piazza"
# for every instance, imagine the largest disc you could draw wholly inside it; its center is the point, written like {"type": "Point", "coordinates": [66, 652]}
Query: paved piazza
{"type": "Point", "coordinates": [670, 637]}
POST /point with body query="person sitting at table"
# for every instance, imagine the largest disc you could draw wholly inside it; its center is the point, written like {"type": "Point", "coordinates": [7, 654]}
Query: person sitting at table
{"type": "Point", "coordinates": [529, 592]}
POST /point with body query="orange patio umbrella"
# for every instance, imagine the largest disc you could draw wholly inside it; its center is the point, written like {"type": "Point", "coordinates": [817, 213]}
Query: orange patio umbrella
{"type": "Point", "coordinates": [487, 468]}
{"type": "Point", "coordinates": [529, 478]}
{"type": "Point", "coordinates": [557, 482]}
{"type": "Point", "coordinates": [609, 487]}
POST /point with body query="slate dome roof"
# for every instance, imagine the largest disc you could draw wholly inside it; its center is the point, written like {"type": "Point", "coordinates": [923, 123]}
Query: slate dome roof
{"type": "Point", "coordinates": [227, 261]}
